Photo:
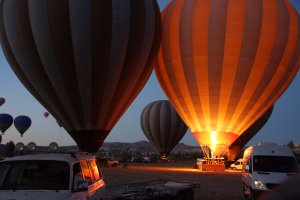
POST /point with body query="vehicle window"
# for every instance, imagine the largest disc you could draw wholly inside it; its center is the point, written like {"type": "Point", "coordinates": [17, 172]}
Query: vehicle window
{"type": "Point", "coordinates": [77, 172]}
{"type": "Point", "coordinates": [284, 164]}
{"type": "Point", "coordinates": [77, 175]}
{"type": "Point", "coordinates": [95, 170]}
{"type": "Point", "coordinates": [86, 172]}
{"type": "Point", "coordinates": [37, 175]}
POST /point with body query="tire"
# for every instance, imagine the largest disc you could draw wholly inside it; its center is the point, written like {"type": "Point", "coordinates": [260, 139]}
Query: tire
{"type": "Point", "coordinates": [114, 165]}
{"type": "Point", "coordinates": [252, 195]}
{"type": "Point", "coordinates": [246, 196]}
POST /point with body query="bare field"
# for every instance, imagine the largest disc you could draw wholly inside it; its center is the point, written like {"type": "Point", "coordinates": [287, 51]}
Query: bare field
{"type": "Point", "coordinates": [213, 185]}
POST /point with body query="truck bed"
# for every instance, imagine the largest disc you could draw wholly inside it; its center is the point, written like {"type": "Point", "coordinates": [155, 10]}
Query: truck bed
{"type": "Point", "coordinates": [151, 190]}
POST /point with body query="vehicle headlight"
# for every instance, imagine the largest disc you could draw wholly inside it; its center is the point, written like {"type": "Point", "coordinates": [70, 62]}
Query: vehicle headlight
{"type": "Point", "coordinates": [257, 184]}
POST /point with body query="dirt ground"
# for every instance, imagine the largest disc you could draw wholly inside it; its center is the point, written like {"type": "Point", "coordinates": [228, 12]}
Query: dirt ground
{"type": "Point", "coordinates": [213, 185]}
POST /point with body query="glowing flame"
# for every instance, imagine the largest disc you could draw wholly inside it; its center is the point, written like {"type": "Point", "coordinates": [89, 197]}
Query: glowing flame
{"type": "Point", "coordinates": [214, 142]}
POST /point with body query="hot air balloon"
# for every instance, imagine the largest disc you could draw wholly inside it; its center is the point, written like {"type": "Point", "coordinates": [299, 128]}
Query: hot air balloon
{"type": "Point", "coordinates": [2, 101]}
{"type": "Point", "coordinates": [22, 123]}
{"type": "Point", "coordinates": [84, 61]}
{"type": "Point", "coordinates": [236, 147]}
{"type": "Point", "coordinates": [6, 121]}
{"type": "Point", "coordinates": [162, 126]}
{"type": "Point", "coordinates": [222, 64]}
{"type": "Point", "coordinates": [46, 114]}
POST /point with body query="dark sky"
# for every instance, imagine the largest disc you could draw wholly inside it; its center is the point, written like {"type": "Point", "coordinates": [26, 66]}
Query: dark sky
{"type": "Point", "coordinates": [283, 125]}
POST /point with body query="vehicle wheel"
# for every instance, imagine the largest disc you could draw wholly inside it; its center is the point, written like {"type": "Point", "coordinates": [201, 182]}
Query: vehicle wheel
{"type": "Point", "coordinates": [235, 168]}
{"type": "Point", "coordinates": [244, 191]}
{"type": "Point", "coordinates": [114, 165]}
{"type": "Point", "coordinates": [252, 196]}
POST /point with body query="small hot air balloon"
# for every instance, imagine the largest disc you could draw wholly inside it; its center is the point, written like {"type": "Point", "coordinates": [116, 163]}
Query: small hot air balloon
{"type": "Point", "coordinates": [222, 64]}
{"type": "Point", "coordinates": [20, 147]}
{"type": "Point", "coordinates": [236, 147]}
{"type": "Point", "coordinates": [53, 146]}
{"type": "Point", "coordinates": [84, 61]}
{"type": "Point", "coordinates": [162, 126]}
{"type": "Point", "coordinates": [2, 101]}
{"type": "Point", "coordinates": [31, 146]}
{"type": "Point", "coordinates": [22, 123]}
{"type": "Point", "coordinates": [46, 114]}
{"type": "Point", "coordinates": [6, 121]}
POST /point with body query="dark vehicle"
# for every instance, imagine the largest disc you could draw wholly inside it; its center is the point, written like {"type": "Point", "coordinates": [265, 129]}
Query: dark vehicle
{"type": "Point", "coordinates": [107, 162]}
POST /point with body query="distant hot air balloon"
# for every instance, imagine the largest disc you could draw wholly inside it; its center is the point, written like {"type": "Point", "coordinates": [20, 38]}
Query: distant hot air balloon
{"type": "Point", "coordinates": [46, 114]}
{"type": "Point", "coordinates": [222, 64]}
{"type": "Point", "coordinates": [236, 147]}
{"type": "Point", "coordinates": [85, 61]}
{"type": "Point", "coordinates": [2, 101]}
{"type": "Point", "coordinates": [22, 123]}
{"type": "Point", "coordinates": [162, 126]}
{"type": "Point", "coordinates": [6, 121]}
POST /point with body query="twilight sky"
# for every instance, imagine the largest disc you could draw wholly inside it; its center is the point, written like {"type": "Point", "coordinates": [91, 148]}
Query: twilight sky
{"type": "Point", "coordinates": [283, 125]}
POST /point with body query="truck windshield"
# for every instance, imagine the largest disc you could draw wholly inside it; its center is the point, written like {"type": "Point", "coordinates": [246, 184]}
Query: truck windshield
{"type": "Point", "coordinates": [284, 164]}
{"type": "Point", "coordinates": [34, 175]}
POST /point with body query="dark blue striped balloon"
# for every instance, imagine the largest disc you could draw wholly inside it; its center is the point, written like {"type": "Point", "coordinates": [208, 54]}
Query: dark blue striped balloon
{"type": "Point", "coordinates": [22, 123]}
{"type": "Point", "coordinates": [6, 121]}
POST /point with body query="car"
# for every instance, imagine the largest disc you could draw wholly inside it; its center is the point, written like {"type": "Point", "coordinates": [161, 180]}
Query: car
{"type": "Point", "coordinates": [46, 176]}
{"type": "Point", "coordinates": [107, 162]}
{"type": "Point", "coordinates": [266, 166]}
{"type": "Point", "coordinates": [112, 163]}
{"type": "Point", "coordinates": [238, 165]}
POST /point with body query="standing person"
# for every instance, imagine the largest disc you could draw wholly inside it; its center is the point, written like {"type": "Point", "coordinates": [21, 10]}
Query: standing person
{"type": "Point", "coordinates": [125, 165]}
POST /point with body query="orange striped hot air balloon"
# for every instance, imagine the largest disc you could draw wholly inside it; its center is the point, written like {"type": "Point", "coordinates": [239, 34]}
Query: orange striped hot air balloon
{"type": "Point", "coordinates": [223, 63]}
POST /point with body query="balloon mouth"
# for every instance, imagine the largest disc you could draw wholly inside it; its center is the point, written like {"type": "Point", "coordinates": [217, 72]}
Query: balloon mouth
{"type": "Point", "coordinates": [89, 140]}
{"type": "Point", "coordinates": [214, 144]}
{"type": "Point", "coordinates": [164, 156]}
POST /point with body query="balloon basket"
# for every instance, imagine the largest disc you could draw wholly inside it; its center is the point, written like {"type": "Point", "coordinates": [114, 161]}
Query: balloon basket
{"type": "Point", "coordinates": [213, 165]}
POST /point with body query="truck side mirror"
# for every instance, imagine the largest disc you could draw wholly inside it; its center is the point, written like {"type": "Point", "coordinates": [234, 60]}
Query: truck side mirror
{"type": "Point", "coordinates": [80, 185]}
{"type": "Point", "coordinates": [247, 169]}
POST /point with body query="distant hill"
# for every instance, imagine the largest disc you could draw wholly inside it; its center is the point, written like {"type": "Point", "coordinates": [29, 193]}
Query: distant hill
{"type": "Point", "coordinates": [136, 146]}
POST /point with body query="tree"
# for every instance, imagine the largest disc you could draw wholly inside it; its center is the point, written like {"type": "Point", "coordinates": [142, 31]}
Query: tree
{"type": "Point", "coordinates": [9, 149]}
{"type": "Point", "coordinates": [126, 154]}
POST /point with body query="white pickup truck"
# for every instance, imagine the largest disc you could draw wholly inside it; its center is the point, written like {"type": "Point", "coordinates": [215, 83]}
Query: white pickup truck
{"type": "Point", "coordinates": [51, 176]}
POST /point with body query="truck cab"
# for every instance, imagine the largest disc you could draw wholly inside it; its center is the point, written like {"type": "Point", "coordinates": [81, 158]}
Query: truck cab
{"type": "Point", "coordinates": [51, 176]}
{"type": "Point", "coordinates": [266, 166]}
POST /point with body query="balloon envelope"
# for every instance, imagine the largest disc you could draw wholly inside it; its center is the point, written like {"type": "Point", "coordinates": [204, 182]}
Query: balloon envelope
{"type": "Point", "coordinates": [85, 61]}
{"type": "Point", "coordinates": [46, 114]}
{"type": "Point", "coordinates": [222, 64]}
{"type": "Point", "coordinates": [236, 147]}
{"type": "Point", "coordinates": [6, 121]}
{"type": "Point", "coordinates": [2, 101]}
{"type": "Point", "coordinates": [162, 126]}
{"type": "Point", "coordinates": [22, 123]}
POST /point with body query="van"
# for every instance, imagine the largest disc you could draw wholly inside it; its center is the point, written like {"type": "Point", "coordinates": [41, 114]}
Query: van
{"type": "Point", "coordinates": [266, 166]}
{"type": "Point", "coordinates": [238, 165]}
